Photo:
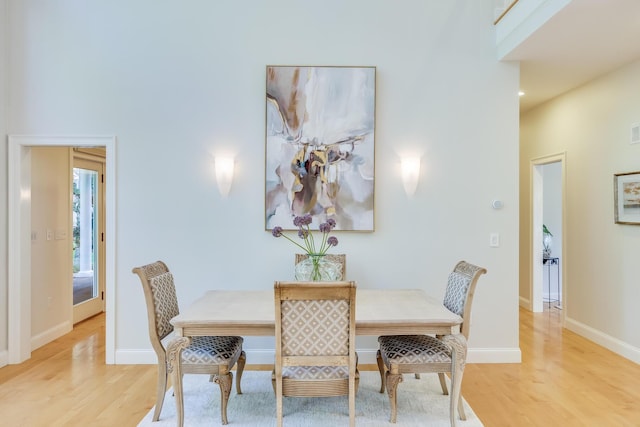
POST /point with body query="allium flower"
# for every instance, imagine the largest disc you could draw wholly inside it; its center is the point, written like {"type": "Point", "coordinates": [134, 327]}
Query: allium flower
{"type": "Point", "coordinates": [277, 231]}
{"type": "Point", "coordinates": [309, 244]}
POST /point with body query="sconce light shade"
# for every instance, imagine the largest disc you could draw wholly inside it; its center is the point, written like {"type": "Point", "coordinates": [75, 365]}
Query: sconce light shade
{"type": "Point", "coordinates": [224, 174]}
{"type": "Point", "coordinates": [410, 174]}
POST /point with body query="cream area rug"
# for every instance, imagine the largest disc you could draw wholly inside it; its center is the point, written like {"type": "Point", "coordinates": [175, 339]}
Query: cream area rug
{"type": "Point", "coordinates": [420, 403]}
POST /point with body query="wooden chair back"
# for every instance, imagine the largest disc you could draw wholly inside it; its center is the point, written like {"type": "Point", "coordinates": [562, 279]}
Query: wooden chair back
{"type": "Point", "coordinates": [315, 341]}
{"type": "Point", "coordinates": [461, 287]}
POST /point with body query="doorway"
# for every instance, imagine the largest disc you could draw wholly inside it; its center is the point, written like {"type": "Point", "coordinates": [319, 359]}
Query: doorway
{"type": "Point", "coordinates": [19, 235]}
{"type": "Point", "coordinates": [87, 213]}
{"type": "Point", "coordinates": [548, 289]}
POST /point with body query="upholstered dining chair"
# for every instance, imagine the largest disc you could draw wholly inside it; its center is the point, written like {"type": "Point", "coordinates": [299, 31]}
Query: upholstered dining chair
{"type": "Point", "coordinates": [211, 355]}
{"type": "Point", "coordinates": [337, 258]}
{"type": "Point", "coordinates": [315, 342]}
{"type": "Point", "coordinates": [417, 354]}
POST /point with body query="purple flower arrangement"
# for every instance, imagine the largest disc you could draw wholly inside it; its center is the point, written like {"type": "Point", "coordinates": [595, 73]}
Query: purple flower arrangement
{"type": "Point", "coordinates": [304, 233]}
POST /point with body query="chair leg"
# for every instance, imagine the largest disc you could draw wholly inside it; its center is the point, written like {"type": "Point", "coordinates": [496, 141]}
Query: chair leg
{"type": "Point", "coordinates": [443, 383]}
{"type": "Point", "coordinates": [161, 390]}
{"type": "Point", "coordinates": [461, 413]}
{"type": "Point", "coordinates": [240, 369]}
{"type": "Point", "coordinates": [381, 368]}
{"type": "Point", "coordinates": [392, 381]}
{"type": "Point", "coordinates": [277, 384]}
{"type": "Point", "coordinates": [224, 381]}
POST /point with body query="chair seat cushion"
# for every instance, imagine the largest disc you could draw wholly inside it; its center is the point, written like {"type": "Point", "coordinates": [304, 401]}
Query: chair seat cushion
{"type": "Point", "coordinates": [315, 372]}
{"type": "Point", "coordinates": [212, 350]}
{"type": "Point", "coordinates": [413, 349]}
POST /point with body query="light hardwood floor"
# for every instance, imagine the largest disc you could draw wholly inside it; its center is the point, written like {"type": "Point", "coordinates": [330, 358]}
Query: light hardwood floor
{"type": "Point", "coordinates": [563, 380]}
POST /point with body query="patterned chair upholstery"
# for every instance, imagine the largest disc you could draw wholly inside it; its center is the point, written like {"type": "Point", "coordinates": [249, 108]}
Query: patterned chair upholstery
{"type": "Point", "coordinates": [215, 356]}
{"type": "Point", "coordinates": [417, 354]}
{"type": "Point", "coordinates": [315, 342]}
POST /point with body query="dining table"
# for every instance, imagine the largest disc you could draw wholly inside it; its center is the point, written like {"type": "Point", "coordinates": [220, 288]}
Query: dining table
{"type": "Point", "coordinates": [252, 313]}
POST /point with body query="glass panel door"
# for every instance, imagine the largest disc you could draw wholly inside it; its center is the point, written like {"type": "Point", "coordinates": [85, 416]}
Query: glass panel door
{"type": "Point", "coordinates": [87, 239]}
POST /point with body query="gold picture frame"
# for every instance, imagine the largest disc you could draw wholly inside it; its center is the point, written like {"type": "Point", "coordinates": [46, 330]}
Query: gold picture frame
{"type": "Point", "coordinates": [320, 145]}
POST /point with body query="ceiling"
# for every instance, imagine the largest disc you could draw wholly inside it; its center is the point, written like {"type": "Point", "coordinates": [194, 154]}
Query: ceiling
{"type": "Point", "coordinates": [584, 40]}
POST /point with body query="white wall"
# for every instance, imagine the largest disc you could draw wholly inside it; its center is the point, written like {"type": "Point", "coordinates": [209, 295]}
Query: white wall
{"type": "Point", "coordinates": [4, 123]}
{"type": "Point", "coordinates": [178, 82]}
{"type": "Point", "coordinates": [592, 125]}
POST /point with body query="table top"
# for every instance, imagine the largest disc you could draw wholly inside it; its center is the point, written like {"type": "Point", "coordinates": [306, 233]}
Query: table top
{"type": "Point", "coordinates": [378, 312]}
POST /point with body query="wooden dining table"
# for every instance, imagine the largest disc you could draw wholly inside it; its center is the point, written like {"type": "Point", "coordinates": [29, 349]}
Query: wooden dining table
{"type": "Point", "coordinates": [252, 313]}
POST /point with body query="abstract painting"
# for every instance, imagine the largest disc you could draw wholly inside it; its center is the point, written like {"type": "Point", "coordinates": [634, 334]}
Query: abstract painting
{"type": "Point", "coordinates": [320, 124]}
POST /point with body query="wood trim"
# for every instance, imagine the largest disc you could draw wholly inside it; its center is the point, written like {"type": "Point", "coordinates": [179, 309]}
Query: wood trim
{"type": "Point", "coordinates": [513, 3]}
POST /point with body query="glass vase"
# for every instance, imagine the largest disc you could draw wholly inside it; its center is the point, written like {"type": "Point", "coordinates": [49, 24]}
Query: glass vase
{"type": "Point", "coordinates": [316, 268]}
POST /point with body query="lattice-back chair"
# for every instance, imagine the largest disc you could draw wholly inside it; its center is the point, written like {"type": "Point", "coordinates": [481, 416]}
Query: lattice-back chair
{"type": "Point", "coordinates": [215, 356]}
{"type": "Point", "coordinates": [315, 342]}
{"type": "Point", "coordinates": [337, 258]}
{"type": "Point", "coordinates": [417, 354]}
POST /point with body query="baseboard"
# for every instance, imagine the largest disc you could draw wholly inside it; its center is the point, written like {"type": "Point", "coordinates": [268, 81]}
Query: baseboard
{"type": "Point", "coordinates": [614, 344]}
{"type": "Point", "coordinates": [494, 355]}
{"type": "Point", "coordinates": [525, 303]}
{"type": "Point", "coordinates": [365, 356]}
{"type": "Point", "coordinates": [4, 358]}
{"type": "Point", "coordinates": [51, 334]}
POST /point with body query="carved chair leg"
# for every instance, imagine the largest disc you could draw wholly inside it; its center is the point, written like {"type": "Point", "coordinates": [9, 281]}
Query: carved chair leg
{"type": "Point", "coordinates": [392, 381]}
{"type": "Point", "coordinates": [240, 369]}
{"type": "Point", "coordinates": [224, 381]}
{"type": "Point", "coordinates": [174, 367]}
{"type": "Point", "coordinates": [381, 368]}
{"type": "Point", "coordinates": [161, 390]}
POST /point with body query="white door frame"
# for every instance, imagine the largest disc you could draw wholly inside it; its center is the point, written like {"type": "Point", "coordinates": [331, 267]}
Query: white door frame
{"type": "Point", "coordinates": [535, 226]}
{"type": "Point", "coordinates": [19, 221]}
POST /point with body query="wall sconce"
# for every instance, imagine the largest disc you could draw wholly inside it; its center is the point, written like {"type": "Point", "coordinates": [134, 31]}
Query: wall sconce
{"type": "Point", "coordinates": [410, 173]}
{"type": "Point", "coordinates": [224, 174]}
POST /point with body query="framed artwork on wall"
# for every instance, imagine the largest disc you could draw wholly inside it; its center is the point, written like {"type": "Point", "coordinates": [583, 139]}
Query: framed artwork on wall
{"type": "Point", "coordinates": [319, 155]}
{"type": "Point", "coordinates": [626, 195]}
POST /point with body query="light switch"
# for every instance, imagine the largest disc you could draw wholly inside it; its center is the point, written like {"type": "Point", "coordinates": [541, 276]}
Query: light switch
{"type": "Point", "coordinates": [494, 240]}
{"type": "Point", "coordinates": [49, 234]}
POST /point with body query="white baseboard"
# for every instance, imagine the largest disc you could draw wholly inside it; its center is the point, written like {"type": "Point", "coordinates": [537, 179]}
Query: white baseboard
{"type": "Point", "coordinates": [494, 355]}
{"type": "Point", "coordinates": [51, 334]}
{"type": "Point", "coordinates": [4, 358]}
{"type": "Point", "coordinates": [365, 356]}
{"type": "Point", "coordinates": [617, 346]}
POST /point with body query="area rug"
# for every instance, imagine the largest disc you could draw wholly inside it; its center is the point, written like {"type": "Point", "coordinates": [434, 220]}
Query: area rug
{"type": "Point", "coordinates": [420, 403]}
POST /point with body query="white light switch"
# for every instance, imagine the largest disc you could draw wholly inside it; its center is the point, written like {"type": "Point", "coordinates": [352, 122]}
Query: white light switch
{"type": "Point", "coordinates": [49, 234]}
{"type": "Point", "coordinates": [494, 240]}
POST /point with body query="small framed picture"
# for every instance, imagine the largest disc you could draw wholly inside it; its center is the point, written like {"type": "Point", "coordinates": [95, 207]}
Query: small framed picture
{"type": "Point", "coordinates": [626, 197]}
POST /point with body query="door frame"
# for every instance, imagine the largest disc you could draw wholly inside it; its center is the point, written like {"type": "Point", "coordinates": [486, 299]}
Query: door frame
{"type": "Point", "coordinates": [19, 234]}
{"type": "Point", "coordinates": [535, 226]}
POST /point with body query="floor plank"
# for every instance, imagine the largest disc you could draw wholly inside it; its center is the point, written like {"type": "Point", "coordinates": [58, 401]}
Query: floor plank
{"type": "Point", "coordinates": [563, 379]}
